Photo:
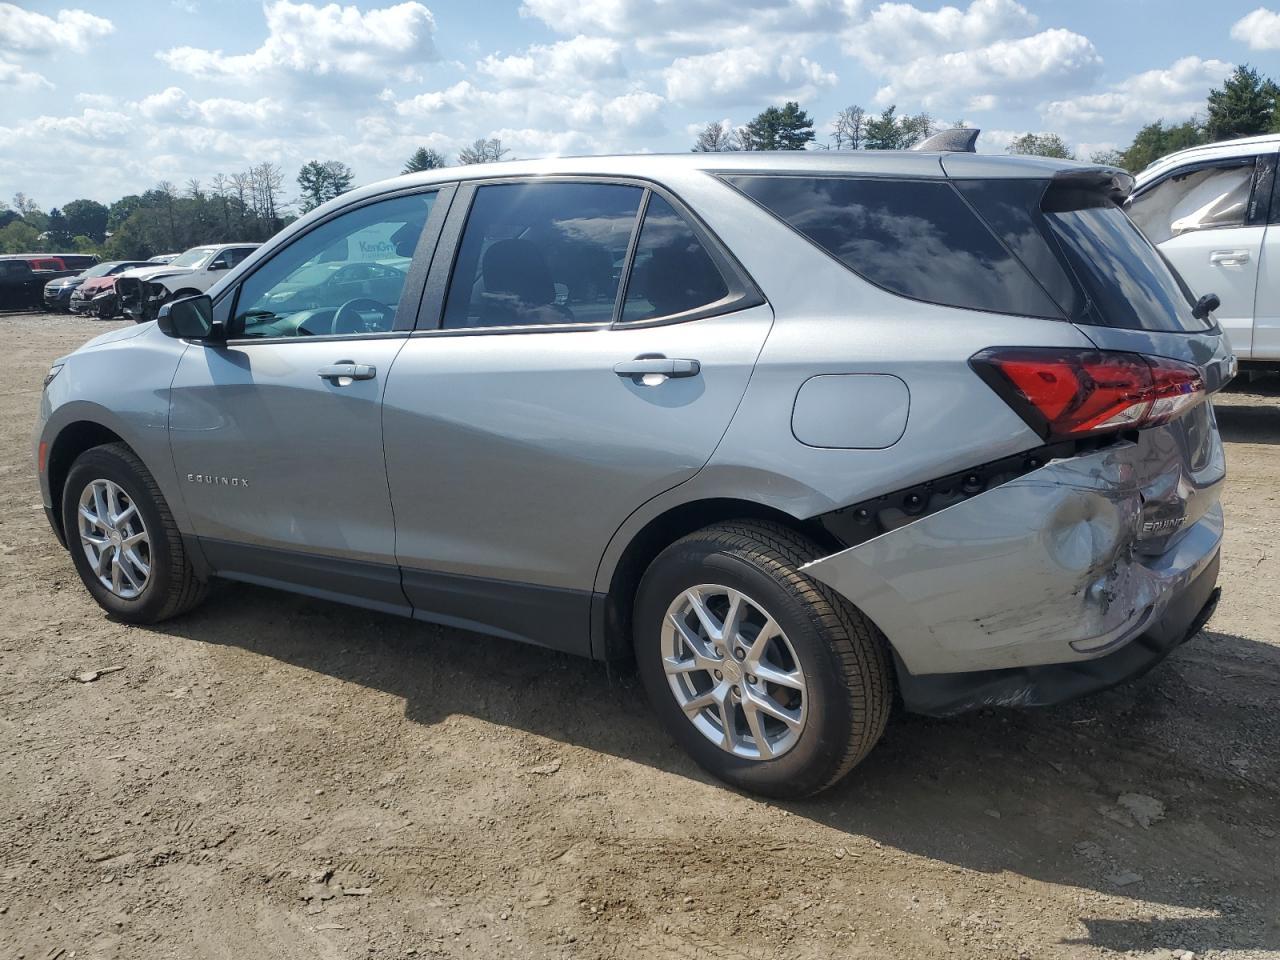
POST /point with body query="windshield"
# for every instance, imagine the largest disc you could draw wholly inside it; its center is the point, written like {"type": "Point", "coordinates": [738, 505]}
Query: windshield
{"type": "Point", "coordinates": [101, 270]}
{"type": "Point", "coordinates": [193, 257]}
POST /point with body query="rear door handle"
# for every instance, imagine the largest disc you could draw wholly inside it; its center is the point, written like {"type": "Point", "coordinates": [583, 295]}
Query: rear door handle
{"type": "Point", "coordinates": [654, 367]}
{"type": "Point", "coordinates": [344, 371]}
{"type": "Point", "coordinates": [1229, 257]}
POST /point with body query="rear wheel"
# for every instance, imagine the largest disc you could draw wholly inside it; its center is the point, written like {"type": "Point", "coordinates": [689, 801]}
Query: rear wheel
{"type": "Point", "coordinates": [770, 680]}
{"type": "Point", "coordinates": [123, 540]}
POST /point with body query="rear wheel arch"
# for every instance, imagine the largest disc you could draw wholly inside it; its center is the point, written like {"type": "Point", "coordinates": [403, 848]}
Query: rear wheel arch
{"type": "Point", "coordinates": [612, 622]}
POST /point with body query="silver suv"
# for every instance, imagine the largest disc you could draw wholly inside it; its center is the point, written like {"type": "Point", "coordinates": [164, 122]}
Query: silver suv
{"type": "Point", "coordinates": [803, 433]}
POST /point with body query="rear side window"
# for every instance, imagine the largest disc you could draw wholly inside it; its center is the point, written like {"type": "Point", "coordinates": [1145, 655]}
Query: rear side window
{"type": "Point", "coordinates": [672, 272]}
{"type": "Point", "coordinates": [1130, 283]}
{"type": "Point", "coordinates": [542, 254]}
{"type": "Point", "coordinates": [1205, 199]}
{"type": "Point", "coordinates": [916, 238]}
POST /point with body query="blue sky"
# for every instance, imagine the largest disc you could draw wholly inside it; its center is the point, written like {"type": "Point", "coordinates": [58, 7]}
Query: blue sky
{"type": "Point", "coordinates": [100, 99]}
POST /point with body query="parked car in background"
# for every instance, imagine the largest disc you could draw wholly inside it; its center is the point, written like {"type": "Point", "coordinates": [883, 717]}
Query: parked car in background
{"type": "Point", "coordinates": [1213, 211]}
{"type": "Point", "coordinates": [842, 428]}
{"type": "Point", "coordinates": [74, 293]}
{"type": "Point", "coordinates": [145, 288]}
{"type": "Point", "coordinates": [164, 258]}
{"type": "Point", "coordinates": [23, 287]}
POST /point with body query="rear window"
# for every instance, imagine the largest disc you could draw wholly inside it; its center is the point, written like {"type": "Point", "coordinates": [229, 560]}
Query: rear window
{"type": "Point", "coordinates": [1087, 254]}
{"type": "Point", "coordinates": [917, 238]}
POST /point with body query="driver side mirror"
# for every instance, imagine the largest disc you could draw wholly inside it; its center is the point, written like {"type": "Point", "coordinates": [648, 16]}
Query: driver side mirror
{"type": "Point", "coordinates": [190, 318]}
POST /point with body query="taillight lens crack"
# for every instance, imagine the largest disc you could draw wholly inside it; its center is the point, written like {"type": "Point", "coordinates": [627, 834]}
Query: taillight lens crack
{"type": "Point", "coordinates": [1067, 392]}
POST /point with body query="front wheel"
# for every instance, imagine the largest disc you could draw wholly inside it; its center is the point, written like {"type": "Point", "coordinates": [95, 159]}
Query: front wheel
{"type": "Point", "coordinates": [770, 680]}
{"type": "Point", "coordinates": [123, 540]}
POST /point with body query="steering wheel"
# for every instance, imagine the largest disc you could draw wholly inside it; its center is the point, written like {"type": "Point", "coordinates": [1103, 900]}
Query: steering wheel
{"type": "Point", "coordinates": [347, 319]}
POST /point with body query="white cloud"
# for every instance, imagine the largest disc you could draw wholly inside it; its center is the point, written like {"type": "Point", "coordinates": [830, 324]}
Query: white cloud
{"type": "Point", "coordinates": [1174, 93]}
{"type": "Point", "coordinates": [1260, 30]}
{"type": "Point", "coordinates": [91, 125]}
{"type": "Point", "coordinates": [744, 74]}
{"type": "Point", "coordinates": [635, 111]}
{"type": "Point", "coordinates": [979, 57]}
{"type": "Point", "coordinates": [692, 25]}
{"type": "Point", "coordinates": [897, 32]}
{"type": "Point", "coordinates": [311, 41]}
{"type": "Point", "coordinates": [26, 31]}
{"type": "Point", "coordinates": [14, 77]}
{"type": "Point", "coordinates": [174, 106]}
{"type": "Point", "coordinates": [1005, 72]}
{"type": "Point", "coordinates": [580, 59]}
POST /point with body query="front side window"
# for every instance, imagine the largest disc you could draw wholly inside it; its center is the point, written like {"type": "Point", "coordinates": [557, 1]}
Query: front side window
{"type": "Point", "coordinates": [916, 238]}
{"type": "Point", "coordinates": [344, 277]}
{"type": "Point", "coordinates": [672, 272]}
{"type": "Point", "coordinates": [1205, 199]}
{"type": "Point", "coordinates": [542, 254]}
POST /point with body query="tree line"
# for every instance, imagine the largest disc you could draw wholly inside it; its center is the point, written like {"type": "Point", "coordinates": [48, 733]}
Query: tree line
{"type": "Point", "coordinates": [253, 204]}
{"type": "Point", "coordinates": [1245, 105]}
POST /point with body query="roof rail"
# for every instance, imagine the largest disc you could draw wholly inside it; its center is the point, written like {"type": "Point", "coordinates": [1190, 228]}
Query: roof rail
{"type": "Point", "coordinates": [955, 140]}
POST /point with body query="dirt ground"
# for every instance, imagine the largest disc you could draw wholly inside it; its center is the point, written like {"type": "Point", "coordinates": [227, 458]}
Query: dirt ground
{"type": "Point", "coordinates": [274, 776]}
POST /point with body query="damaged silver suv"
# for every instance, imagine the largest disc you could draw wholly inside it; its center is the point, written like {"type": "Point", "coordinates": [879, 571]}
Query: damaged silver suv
{"type": "Point", "coordinates": [801, 432]}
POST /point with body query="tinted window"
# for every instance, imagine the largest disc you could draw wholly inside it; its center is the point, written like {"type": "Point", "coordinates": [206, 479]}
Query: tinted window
{"type": "Point", "coordinates": [917, 238]}
{"type": "Point", "coordinates": [343, 277]}
{"type": "Point", "coordinates": [541, 253]}
{"type": "Point", "coordinates": [1012, 209]}
{"type": "Point", "coordinates": [672, 272]}
{"type": "Point", "coordinates": [1130, 283]}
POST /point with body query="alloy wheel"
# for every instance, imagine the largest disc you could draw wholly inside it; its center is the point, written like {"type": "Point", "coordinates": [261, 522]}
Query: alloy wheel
{"type": "Point", "coordinates": [733, 672]}
{"type": "Point", "coordinates": [114, 538]}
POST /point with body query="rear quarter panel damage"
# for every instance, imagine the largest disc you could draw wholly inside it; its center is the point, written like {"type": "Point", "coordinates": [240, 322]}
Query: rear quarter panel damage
{"type": "Point", "coordinates": [1051, 567]}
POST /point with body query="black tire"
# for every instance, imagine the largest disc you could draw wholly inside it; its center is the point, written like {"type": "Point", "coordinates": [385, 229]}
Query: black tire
{"type": "Point", "coordinates": [172, 587]}
{"type": "Point", "coordinates": [845, 658]}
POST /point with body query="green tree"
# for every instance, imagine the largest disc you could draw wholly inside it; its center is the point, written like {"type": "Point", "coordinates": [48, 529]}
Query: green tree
{"type": "Point", "coordinates": [321, 182]}
{"type": "Point", "coordinates": [1041, 145]}
{"type": "Point", "coordinates": [1245, 105]}
{"type": "Point", "coordinates": [913, 128]}
{"type": "Point", "coordinates": [424, 159]}
{"type": "Point", "coordinates": [59, 233]}
{"type": "Point", "coordinates": [18, 237]}
{"type": "Point", "coordinates": [778, 128]}
{"type": "Point", "coordinates": [87, 217]}
{"type": "Point", "coordinates": [882, 132]}
{"type": "Point", "coordinates": [1107, 158]}
{"type": "Point", "coordinates": [1156, 140]}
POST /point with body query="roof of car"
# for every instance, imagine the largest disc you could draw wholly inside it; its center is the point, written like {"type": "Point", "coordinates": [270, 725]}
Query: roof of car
{"type": "Point", "coordinates": [1223, 149]}
{"type": "Point", "coordinates": [908, 163]}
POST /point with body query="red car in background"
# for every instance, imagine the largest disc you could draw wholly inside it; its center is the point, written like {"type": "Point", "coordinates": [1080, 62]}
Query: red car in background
{"type": "Point", "coordinates": [96, 293]}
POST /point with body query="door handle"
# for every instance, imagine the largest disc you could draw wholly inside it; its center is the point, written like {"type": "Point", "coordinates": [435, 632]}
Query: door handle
{"type": "Point", "coordinates": [652, 371]}
{"type": "Point", "coordinates": [1229, 257]}
{"type": "Point", "coordinates": [344, 371]}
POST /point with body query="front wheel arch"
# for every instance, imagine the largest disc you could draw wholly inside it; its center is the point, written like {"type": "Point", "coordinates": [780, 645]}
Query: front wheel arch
{"type": "Point", "coordinates": [71, 441]}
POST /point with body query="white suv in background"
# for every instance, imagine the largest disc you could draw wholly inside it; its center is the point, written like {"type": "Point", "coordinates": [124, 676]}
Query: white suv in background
{"type": "Point", "coordinates": [192, 272]}
{"type": "Point", "coordinates": [1208, 209]}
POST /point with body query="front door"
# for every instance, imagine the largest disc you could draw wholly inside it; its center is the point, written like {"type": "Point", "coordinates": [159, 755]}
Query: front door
{"type": "Point", "coordinates": [543, 407]}
{"type": "Point", "coordinates": [277, 433]}
{"type": "Point", "coordinates": [1209, 219]}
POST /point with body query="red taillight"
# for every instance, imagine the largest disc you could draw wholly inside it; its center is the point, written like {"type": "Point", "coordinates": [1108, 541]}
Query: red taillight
{"type": "Point", "coordinates": [1066, 393]}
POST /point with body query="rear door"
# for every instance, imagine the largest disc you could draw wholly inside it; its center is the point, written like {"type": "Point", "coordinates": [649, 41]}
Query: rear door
{"type": "Point", "coordinates": [567, 367]}
{"type": "Point", "coordinates": [1210, 220]}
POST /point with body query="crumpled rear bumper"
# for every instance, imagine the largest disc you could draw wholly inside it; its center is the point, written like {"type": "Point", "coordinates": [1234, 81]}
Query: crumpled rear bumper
{"type": "Point", "coordinates": [1037, 590]}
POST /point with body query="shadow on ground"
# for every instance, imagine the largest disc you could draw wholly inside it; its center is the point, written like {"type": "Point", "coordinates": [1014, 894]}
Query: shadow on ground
{"type": "Point", "coordinates": [1030, 793]}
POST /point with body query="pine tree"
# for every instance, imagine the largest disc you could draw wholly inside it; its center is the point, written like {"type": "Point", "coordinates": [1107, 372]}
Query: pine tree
{"type": "Point", "coordinates": [784, 128]}
{"type": "Point", "coordinates": [424, 159]}
{"type": "Point", "coordinates": [1244, 106]}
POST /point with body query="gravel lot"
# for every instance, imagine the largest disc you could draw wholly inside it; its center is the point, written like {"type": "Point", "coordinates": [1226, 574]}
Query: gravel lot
{"type": "Point", "coordinates": [278, 777]}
